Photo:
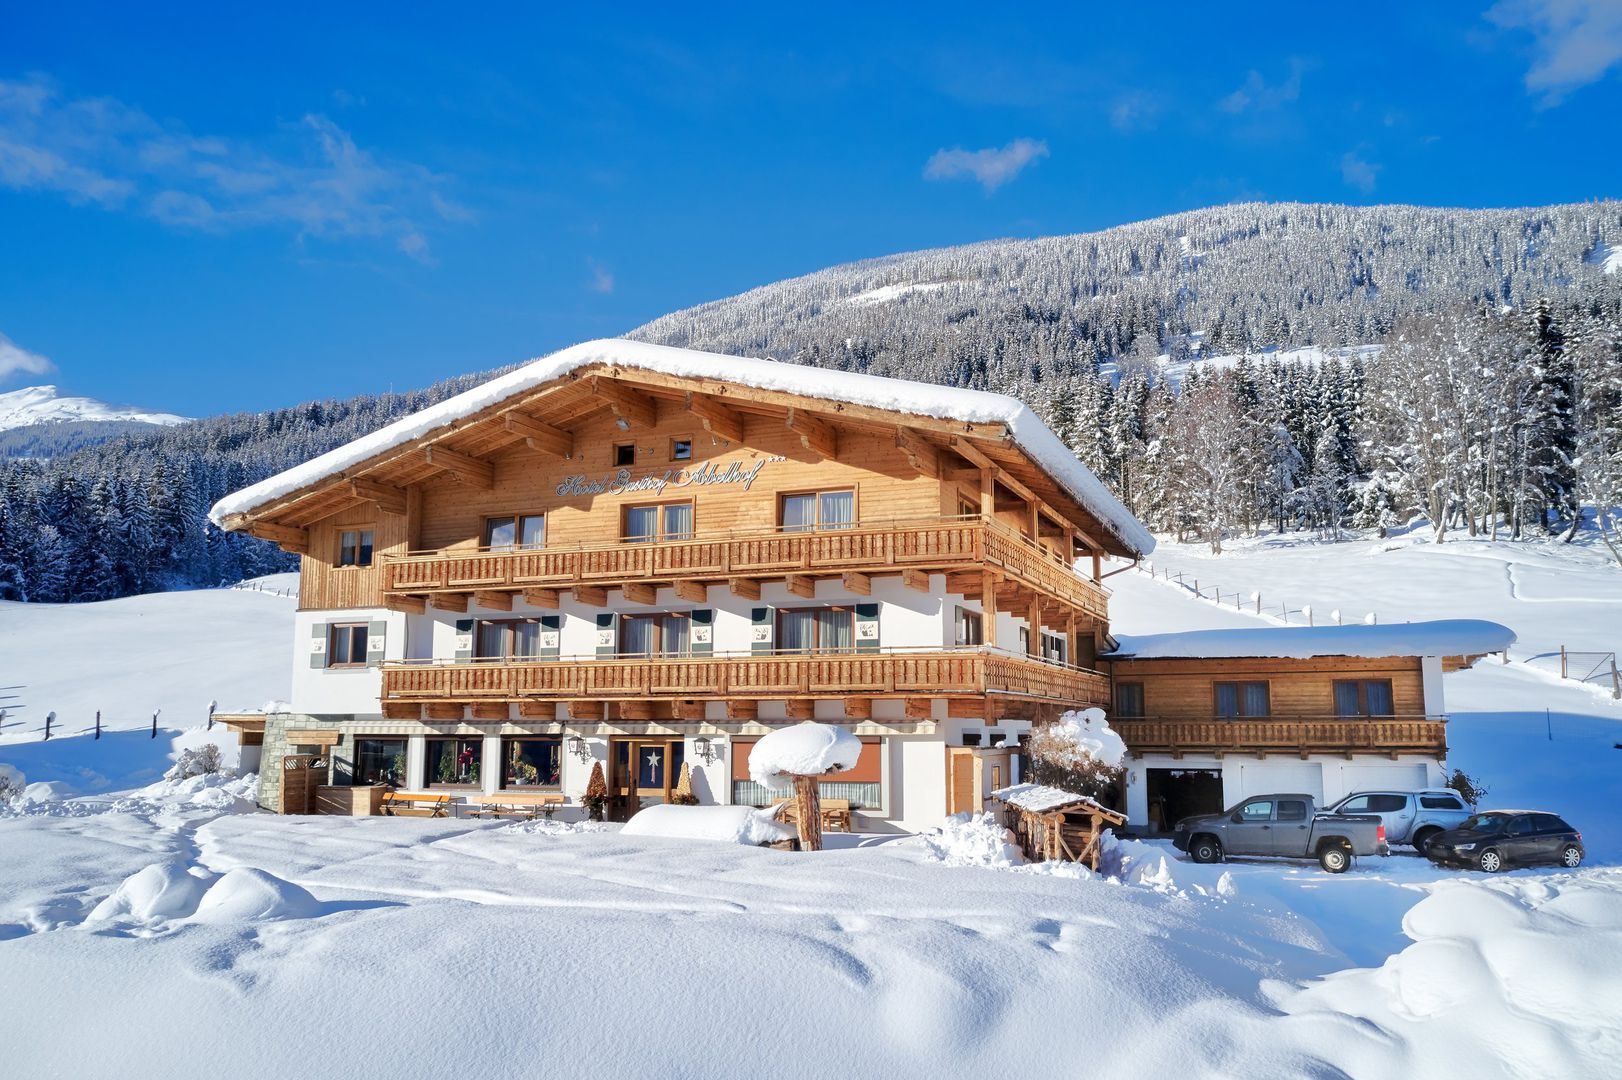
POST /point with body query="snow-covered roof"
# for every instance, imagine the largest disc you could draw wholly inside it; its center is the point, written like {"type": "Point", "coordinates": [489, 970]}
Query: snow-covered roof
{"type": "Point", "coordinates": [899, 395]}
{"type": "Point", "coordinates": [1040, 799]}
{"type": "Point", "coordinates": [1443, 637]}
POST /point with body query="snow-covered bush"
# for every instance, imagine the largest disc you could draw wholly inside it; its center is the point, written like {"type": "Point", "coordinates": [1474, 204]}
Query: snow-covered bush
{"type": "Point", "coordinates": [12, 783]}
{"type": "Point", "coordinates": [203, 761]}
{"type": "Point", "coordinates": [977, 839]}
{"type": "Point", "coordinates": [1079, 752]}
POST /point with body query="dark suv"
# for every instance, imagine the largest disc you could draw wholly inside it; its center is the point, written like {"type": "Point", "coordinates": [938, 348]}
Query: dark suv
{"type": "Point", "coordinates": [1494, 839]}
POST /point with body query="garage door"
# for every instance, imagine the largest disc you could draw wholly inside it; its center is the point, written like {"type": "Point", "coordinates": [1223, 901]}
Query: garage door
{"type": "Point", "coordinates": [1268, 777]}
{"type": "Point", "coordinates": [1382, 778]}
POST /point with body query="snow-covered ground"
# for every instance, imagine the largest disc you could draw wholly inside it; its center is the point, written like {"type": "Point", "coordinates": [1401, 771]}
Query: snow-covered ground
{"type": "Point", "coordinates": [170, 931]}
{"type": "Point", "coordinates": [46, 405]}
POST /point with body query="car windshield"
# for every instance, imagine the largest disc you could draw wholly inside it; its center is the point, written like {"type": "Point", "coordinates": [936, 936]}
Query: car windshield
{"type": "Point", "coordinates": [1487, 823]}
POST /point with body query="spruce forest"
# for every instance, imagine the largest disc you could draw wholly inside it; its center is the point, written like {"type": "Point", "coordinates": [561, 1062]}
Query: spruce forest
{"type": "Point", "coordinates": [1465, 369]}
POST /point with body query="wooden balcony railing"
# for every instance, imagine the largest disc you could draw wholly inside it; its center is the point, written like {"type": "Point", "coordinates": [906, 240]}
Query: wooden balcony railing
{"type": "Point", "coordinates": [902, 673]}
{"type": "Point", "coordinates": [1286, 735]}
{"type": "Point", "coordinates": [937, 545]}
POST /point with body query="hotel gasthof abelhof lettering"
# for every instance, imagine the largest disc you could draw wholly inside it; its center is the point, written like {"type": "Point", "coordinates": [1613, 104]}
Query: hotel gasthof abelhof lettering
{"type": "Point", "coordinates": [621, 482]}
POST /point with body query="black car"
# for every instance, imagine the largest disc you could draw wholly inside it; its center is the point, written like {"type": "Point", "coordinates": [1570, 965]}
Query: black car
{"type": "Point", "coordinates": [1494, 839]}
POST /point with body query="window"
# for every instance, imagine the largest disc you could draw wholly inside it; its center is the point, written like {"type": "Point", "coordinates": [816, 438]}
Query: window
{"type": "Point", "coordinates": [522, 531]}
{"type": "Point", "coordinates": [1441, 802]}
{"type": "Point", "coordinates": [1257, 810]}
{"type": "Point", "coordinates": [968, 628]}
{"type": "Point", "coordinates": [380, 761]}
{"type": "Point", "coordinates": [818, 510]}
{"type": "Point", "coordinates": [453, 762]}
{"type": "Point", "coordinates": [656, 635]}
{"type": "Point", "coordinates": [625, 454]}
{"type": "Point", "coordinates": [859, 784]}
{"type": "Point", "coordinates": [1374, 804]}
{"type": "Point", "coordinates": [1363, 697]}
{"type": "Point", "coordinates": [1522, 826]}
{"type": "Point", "coordinates": [1292, 810]}
{"type": "Point", "coordinates": [355, 547]}
{"type": "Point", "coordinates": [1053, 648]}
{"type": "Point", "coordinates": [681, 448]}
{"type": "Point", "coordinates": [1241, 699]}
{"type": "Point", "coordinates": [1129, 699]}
{"type": "Point", "coordinates": [1551, 823]}
{"type": "Point", "coordinates": [658, 521]}
{"type": "Point", "coordinates": [346, 644]}
{"type": "Point", "coordinates": [828, 629]}
{"type": "Point", "coordinates": [967, 509]}
{"type": "Point", "coordinates": [531, 763]}
{"type": "Point", "coordinates": [507, 639]}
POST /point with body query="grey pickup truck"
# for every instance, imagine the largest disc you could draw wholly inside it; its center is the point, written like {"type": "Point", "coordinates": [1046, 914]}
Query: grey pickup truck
{"type": "Point", "coordinates": [1286, 826]}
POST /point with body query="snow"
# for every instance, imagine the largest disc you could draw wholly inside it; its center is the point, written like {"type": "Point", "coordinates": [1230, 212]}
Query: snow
{"type": "Point", "coordinates": [884, 294]}
{"type": "Point", "coordinates": [1607, 258]}
{"type": "Point", "coordinates": [971, 840]}
{"type": "Point", "coordinates": [46, 405]}
{"type": "Point", "coordinates": [1039, 798]}
{"type": "Point", "coordinates": [726, 824]}
{"type": "Point", "coordinates": [1443, 637]}
{"type": "Point", "coordinates": [807, 749]}
{"type": "Point", "coordinates": [898, 395]}
{"type": "Point", "coordinates": [1088, 738]}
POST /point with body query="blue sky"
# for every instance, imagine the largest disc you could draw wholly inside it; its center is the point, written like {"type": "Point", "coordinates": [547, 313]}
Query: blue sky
{"type": "Point", "coordinates": [203, 212]}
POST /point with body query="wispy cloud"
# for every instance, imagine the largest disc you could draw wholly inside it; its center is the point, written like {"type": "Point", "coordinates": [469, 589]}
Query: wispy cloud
{"type": "Point", "coordinates": [602, 278]}
{"type": "Point", "coordinates": [1577, 41]}
{"type": "Point", "coordinates": [1136, 111]}
{"type": "Point", "coordinates": [16, 360]}
{"type": "Point", "coordinates": [1358, 172]}
{"type": "Point", "coordinates": [1256, 94]}
{"type": "Point", "coordinates": [308, 176]}
{"type": "Point", "coordinates": [991, 168]}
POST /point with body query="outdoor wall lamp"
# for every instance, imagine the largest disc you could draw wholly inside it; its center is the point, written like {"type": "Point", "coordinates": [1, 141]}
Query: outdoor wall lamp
{"type": "Point", "coordinates": [705, 750]}
{"type": "Point", "coordinates": [578, 747]}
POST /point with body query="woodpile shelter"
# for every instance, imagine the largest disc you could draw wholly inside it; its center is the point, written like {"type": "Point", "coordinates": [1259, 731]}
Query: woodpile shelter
{"type": "Point", "coordinates": [1051, 824]}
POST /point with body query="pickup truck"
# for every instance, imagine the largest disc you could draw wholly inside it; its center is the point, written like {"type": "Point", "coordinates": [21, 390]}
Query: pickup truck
{"type": "Point", "coordinates": [1411, 817]}
{"type": "Point", "coordinates": [1286, 826]}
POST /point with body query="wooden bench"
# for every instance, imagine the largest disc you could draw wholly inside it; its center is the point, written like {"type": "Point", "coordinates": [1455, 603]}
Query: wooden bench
{"type": "Point", "coordinates": [835, 814]}
{"type": "Point", "coordinates": [514, 803]}
{"type": "Point", "coordinates": [416, 804]}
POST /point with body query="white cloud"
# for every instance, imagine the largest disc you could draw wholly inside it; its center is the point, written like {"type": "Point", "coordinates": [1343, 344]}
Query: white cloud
{"type": "Point", "coordinates": [308, 176]}
{"type": "Point", "coordinates": [1135, 112]}
{"type": "Point", "coordinates": [602, 278]}
{"type": "Point", "coordinates": [991, 167]}
{"type": "Point", "coordinates": [1577, 41]}
{"type": "Point", "coordinates": [1256, 94]}
{"type": "Point", "coordinates": [1357, 172]}
{"type": "Point", "coordinates": [14, 360]}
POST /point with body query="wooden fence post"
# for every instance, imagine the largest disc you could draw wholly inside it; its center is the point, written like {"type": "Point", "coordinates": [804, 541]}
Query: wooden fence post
{"type": "Point", "coordinates": [1562, 661]}
{"type": "Point", "coordinates": [98, 723]}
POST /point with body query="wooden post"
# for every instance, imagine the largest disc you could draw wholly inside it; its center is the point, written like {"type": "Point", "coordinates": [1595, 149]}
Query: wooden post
{"type": "Point", "coordinates": [988, 608]}
{"type": "Point", "coordinates": [1562, 661]}
{"type": "Point", "coordinates": [98, 723]}
{"type": "Point", "coordinates": [808, 811]}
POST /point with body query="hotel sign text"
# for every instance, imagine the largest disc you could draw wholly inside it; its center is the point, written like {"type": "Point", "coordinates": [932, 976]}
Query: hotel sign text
{"type": "Point", "coordinates": [622, 483]}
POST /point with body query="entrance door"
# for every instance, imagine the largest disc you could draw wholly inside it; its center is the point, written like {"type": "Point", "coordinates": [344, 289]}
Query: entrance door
{"type": "Point", "coordinates": [960, 793]}
{"type": "Point", "coordinates": [644, 772]}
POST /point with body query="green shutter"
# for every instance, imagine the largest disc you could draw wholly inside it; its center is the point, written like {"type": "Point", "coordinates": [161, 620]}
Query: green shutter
{"type": "Point", "coordinates": [318, 645]}
{"type": "Point", "coordinates": [551, 637]}
{"type": "Point", "coordinates": [376, 641]}
{"type": "Point", "coordinates": [464, 639]}
{"type": "Point", "coordinates": [702, 639]}
{"type": "Point", "coordinates": [762, 631]}
{"type": "Point", "coordinates": [867, 628]}
{"type": "Point", "coordinates": [607, 634]}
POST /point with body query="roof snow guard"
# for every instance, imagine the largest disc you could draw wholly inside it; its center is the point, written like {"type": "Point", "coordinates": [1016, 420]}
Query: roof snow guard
{"type": "Point", "coordinates": [900, 396]}
{"type": "Point", "coordinates": [1443, 637]}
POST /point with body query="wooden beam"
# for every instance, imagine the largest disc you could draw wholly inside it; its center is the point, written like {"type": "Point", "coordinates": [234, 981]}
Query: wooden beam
{"type": "Point", "coordinates": [490, 710]}
{"type": "Point", "coordinates": [815, 435]}
{"type": "Point", "coordinates": [800, 585]}
{"type": "Point", "coordinates": [538, 710]}
{"type": "Point", "coordinates": [687, 710]}
{"type": "Point", "coordinates": [500, 601]}
{"type": "Point", "coordinates": [540, 437]}
{"type": "Point", "coordinates": [694, 592]}
{"type": "Point", "coordinates": [639, 592]}
{"type": "Point", "coordinates": [988, 605]}
{"type": "Point", "coordinates": [799, 708]}
{"type": "Point", "coordinates": [594, 595]}
{"type": "Point", "coordinates": [988, 493]}
{"type": "Point", "coordinates": [389, 499]}
{"type": "Point", "coordinates": [401, 710]}
{"type": "Point", "coordinates": [970, 453]}
{"type": "Point", "coordinates": [546, 598]}
{"type": "Point", "coordinates": [738, 709]}
{"type": "Point", "coordinates": [857, 583]}
{"type": "Point", "coordinates": [967, 709]}
{"type": "Point", "coordinates": [920, 708]}
{"type": "Point", "coordinates": [444, 710]}
{"type": "Point", "coordinates": [411, 605]}
{"type": "Point", "coordinates": [744, 587]}
{"type": "Point", "coordinates": [920, 454]}
{"type": "Point", "coordinates": [632, 407]}
{"type": "Point", "coordinates": [717, 419]}
{"type": "Point", "coordinates": [475, 472]}
{"type": "Point", "coordinates": [859, 708]}
{"type": "Point", "coordinates": [288, 539]}
{"type": "Point", "coordinates": [915, 579]}
{"type": "Point", "coordinates": [966, 584]}
{"type": "Point", "coordinates": [585, 710]}
{"type": "Point", "coordinates": [448, 601]}
{"type": "Point", "coordinates": [639, 710]}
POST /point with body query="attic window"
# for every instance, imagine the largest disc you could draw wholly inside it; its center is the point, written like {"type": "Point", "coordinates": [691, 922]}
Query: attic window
{"type": "Point", "coordinates": [355, 547]}
{"type": "Point", "coordinates": [625, 454]}
{"type": "Point", "coordinates": [681, 449]}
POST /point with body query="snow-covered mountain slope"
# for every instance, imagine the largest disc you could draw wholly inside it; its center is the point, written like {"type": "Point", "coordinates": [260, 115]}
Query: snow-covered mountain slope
{"type": "Point", "coordinates": [46, 405]}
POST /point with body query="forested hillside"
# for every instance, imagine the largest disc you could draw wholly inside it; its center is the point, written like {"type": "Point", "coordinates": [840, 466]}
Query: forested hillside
{"type": "Point", "coordinates": [1495, 403]}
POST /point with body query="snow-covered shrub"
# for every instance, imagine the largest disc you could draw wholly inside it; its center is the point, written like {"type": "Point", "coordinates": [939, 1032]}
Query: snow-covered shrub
{"type": "Point", "coordinates": [203, 761]}
{"type": "Point", "coordinates": [12, 783]}
{"type": "Point", "coordinates": [1079, 752]}
{"type": "Point", "coordinates": [977, 839]}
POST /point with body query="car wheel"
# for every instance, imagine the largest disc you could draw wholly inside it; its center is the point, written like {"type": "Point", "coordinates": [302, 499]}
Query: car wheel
{"type": "Point", "coordinates": [1571, 856]}
{"type": "Point", "coordinates": [1335, 859]}
{"type": "Point", "coordinates": [1491, 861]}
{"type": "Point", "coordinates": [1205, 850]}
{"type": "Point", "coordinates": [1423, 838]}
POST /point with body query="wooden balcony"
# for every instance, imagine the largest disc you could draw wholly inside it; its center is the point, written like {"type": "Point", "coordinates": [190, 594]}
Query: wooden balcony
{"type": "Point", "coordinates": [946, 545]}
{"type": "Point", "coordinates": [897, 674]}
{"type": "Point", "coordinates": [1302, 735]}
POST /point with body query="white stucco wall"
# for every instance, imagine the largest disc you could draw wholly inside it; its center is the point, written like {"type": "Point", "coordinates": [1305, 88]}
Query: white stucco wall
{"type": "Point", "coordinates": [1247, 775]}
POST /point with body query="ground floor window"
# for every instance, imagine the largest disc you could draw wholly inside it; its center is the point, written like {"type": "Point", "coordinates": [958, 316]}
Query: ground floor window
{"type": "Point", "coordinates": [531, 763]}
{"type": "Point", "coordinates": [454, 762]}
{"type": "Point", "coordinates": [859, 785]}
{"type": "Point", "coordinates": [380, 761]}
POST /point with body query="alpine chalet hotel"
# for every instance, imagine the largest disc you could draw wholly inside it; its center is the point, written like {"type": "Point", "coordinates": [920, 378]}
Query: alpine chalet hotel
{"type": "Point", "coordinates": [641, 556]}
